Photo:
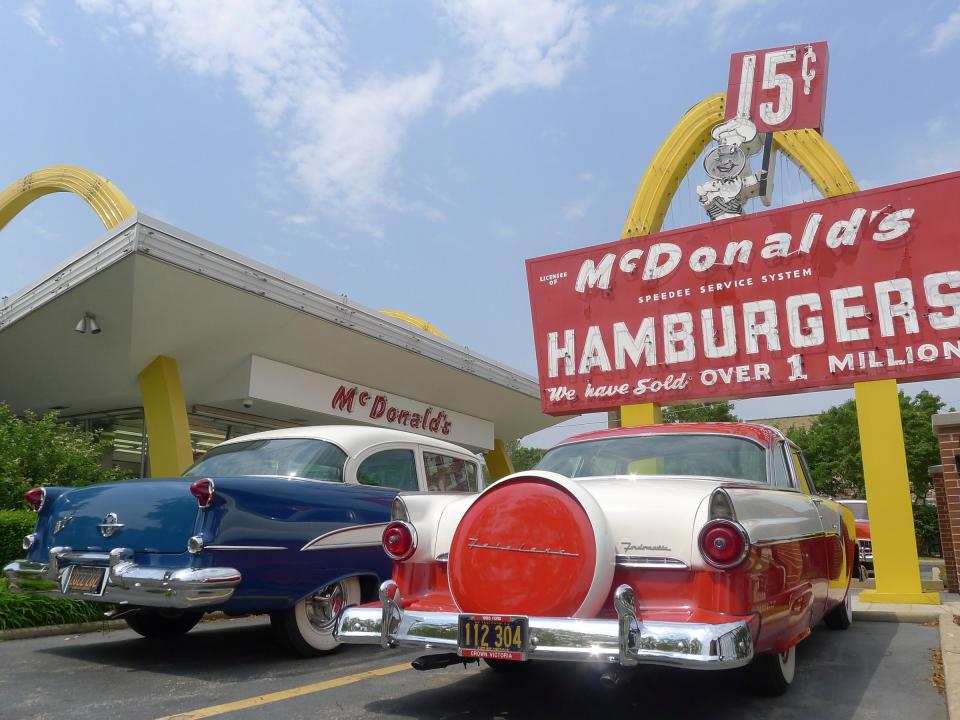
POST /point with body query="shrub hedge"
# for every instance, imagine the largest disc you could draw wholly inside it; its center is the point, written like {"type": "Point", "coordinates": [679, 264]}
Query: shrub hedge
{"type": "Point", "coordinates": [22, 611]}
{"type": "Point", "coordinates": [14, 524]}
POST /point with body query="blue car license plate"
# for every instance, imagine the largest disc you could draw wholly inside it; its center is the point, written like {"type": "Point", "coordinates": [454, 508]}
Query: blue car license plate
{"type": "Point", "coordinates": [86, 579]}
{"type": "Point", "coordinates": [492, 637]}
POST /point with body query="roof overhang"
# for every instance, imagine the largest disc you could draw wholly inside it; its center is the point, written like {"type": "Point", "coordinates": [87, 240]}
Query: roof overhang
{"type": "Point", "coordinates": [156, 290]}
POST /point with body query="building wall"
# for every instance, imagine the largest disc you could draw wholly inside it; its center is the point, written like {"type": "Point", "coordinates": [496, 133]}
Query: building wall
{"type": "Point", "coordinates": [946, 485]}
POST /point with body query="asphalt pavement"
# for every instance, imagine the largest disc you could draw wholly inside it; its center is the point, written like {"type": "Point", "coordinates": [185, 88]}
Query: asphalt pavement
{"type": "Point", "coordinates": [873, 670]}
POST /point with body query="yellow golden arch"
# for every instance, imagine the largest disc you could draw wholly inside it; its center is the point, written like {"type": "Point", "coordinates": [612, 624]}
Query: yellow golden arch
{"type": "Point", "coordinates": [683, 145]}
{"type": "Point", "coordinates": [878, 408]}
{"type": "Point", "coordinates": [103, 197]}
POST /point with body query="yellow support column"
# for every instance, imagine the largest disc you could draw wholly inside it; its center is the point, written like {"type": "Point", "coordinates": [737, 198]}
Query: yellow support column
{"type": "Point", "coordinates": [895, 559]}
{"type": "Point", "coordinates": [165, 413]}
{"type": "Point", "coordinates": [640, 414]}
{"type": "Point", "coordinates": [498, 461]}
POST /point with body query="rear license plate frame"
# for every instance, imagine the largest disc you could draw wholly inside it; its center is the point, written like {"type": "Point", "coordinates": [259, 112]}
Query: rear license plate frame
{"type": "Point", "coordinates": [475, 622]}
{"type": "Point", "coordinates": [94, 579]}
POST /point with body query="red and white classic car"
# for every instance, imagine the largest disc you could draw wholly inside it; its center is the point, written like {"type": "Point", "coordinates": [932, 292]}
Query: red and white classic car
{"type": "Point", "coordinates": [692, 545]}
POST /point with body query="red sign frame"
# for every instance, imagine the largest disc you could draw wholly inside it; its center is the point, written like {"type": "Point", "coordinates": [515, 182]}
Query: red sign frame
{"type": "Point", "coordinates": [817, 295]}
{"type": "Point", "coordinates": [781, 88]}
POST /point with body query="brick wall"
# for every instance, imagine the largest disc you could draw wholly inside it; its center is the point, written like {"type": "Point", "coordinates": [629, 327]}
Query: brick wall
{"type": "Point", "coordinates": [946, 485]}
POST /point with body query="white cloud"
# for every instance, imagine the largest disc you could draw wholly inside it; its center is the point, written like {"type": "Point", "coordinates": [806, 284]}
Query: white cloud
{"type": "Point", "coordinates": [666, 14]}
{"type": "Point", "coordinates": [577, 209]}
{"type": "Point", "coordinates": [725, 19]}
{"type": "Point", "coordinates": [945, 34]}
{"type": "Point", "coordinates": [285, 57]}
{"type": "Point", "coordinates": [516, 45]}
{"type": "Point", "coordinates": [32, 14]}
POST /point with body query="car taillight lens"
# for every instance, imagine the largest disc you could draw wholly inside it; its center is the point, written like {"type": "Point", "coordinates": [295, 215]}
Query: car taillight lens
{"type": "Point", "coordinates": [202, 490]}
{"type": "Point", "coordinates": [399, 540]}
{"type": "Point", "coordinates": [35, 498]}
{"type": "Point", "coordinates": [723, 544]}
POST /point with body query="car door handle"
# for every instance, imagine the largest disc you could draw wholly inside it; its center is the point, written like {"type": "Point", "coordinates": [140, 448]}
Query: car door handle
{"type": "Point", "coordinates": [817, 500]}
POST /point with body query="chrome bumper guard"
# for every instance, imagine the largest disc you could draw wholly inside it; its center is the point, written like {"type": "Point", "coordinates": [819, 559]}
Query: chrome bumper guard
{"type": "Point", "coordinates": [126, 583]}
{"type": "Point", "coordinates": [627, 640]}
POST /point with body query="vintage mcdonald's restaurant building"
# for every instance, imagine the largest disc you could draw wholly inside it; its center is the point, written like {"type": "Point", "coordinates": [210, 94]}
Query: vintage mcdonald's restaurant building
{"type": "Point", "coordinates": [171, 344]}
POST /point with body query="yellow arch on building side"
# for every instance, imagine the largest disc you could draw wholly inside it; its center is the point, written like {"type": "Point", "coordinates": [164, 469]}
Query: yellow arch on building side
{"type": "Point", "coordinates": [103, 197]}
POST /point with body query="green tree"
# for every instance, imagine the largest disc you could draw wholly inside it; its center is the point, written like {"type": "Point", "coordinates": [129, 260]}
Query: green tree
{"type": "Point", "coordinates": [832, 446]}
{"type": "Point", "coordinates": [523, 458]}
{"type": "Point", "coordinates": [40, 451]}
{"type": "Point", "coordinates": [700, 412]}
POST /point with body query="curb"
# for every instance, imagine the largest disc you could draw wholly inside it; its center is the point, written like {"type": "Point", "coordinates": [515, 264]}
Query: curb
{"type": "Point", "coordinates": [918, 617]}
{"type": "Point", "coordinates": [104, 626]}
{"type": "Point", "coordinates": [71, 629]}
{"type": "Point", "coordinates": [950, 651]}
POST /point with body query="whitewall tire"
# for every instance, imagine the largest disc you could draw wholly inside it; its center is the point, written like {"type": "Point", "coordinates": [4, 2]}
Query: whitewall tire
{"type": "Point", "coordinates": [307, 627]}
{"type": "Point", "coordinates": [773, 674]}
{"type": "Point", "coordinates": [841, 617]}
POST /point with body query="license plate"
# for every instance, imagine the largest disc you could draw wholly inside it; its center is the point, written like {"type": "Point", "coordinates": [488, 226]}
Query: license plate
{"type": "Point", "coordinates": [495, 637]}
{"type": "Point", "coordinates": [85, 579]}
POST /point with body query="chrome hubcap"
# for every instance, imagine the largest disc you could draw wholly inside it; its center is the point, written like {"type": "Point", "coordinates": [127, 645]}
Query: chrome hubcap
{"type": "Point", "coordinates": [324, 606]}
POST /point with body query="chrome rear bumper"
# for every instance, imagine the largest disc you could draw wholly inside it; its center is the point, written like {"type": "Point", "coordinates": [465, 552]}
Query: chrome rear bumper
{"type": "Point", "coordinates": [627, 640]}
{"type": "Point", "coordinates": [126, 583]}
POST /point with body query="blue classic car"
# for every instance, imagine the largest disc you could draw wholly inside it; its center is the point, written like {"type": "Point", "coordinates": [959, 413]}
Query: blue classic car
{"type": "Point", "coordinates": [287, 522]}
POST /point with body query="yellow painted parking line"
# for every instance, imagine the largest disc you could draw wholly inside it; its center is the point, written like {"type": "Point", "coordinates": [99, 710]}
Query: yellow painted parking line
{"type": "Point", "coordinates": [285, 694]}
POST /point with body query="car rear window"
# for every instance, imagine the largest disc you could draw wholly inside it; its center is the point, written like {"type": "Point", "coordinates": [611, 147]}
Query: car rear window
{"type": "Point", "coordinates": [709, 455]}
{"type": "Point", "coordinates": [288, 457]}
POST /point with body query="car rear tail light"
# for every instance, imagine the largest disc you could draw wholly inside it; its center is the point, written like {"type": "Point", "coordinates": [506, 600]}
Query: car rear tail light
{"type": "Point", "coordinates": [35, 498]}
{"type": "Point", "coordinates": [399, 540]}
{"type": "Point", "coordinates": [203, 491]}
{"type": "Point", "coordinates": [398, 510]}
{"type": "Point", "coordinates": [721, 506]}
{"type": "Point", "coordinates": [723, 544]}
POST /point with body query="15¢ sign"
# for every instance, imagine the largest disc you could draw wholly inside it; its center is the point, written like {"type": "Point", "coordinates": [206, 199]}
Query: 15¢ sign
{"type": "Point", "coordinates": [779, 88]}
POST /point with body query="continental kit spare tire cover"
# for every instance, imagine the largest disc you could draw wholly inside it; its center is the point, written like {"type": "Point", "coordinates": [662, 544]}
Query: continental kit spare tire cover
{"type": "Point", "coordinates": [532, 544]}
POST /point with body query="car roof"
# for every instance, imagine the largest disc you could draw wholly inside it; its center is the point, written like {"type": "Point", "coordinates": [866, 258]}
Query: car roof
{"type": "Point", "coordinates": [353, 439]}
{"type": "Point", "coordinates": [763, 434]}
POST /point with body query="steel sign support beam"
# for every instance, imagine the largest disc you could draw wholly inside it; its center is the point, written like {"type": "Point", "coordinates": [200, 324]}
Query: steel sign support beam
{"type": "Point", "coordinates": [165, 414]}
{"type": "Point", "coordinates": [888, 496]}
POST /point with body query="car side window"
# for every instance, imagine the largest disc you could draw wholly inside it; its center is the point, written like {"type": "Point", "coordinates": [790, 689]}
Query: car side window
{"type": "Point", "coordinates": [450, 473]}
{"type": "Point", "coordinates": [395, 468]}
{"type": "Point", "coordinates": [781, 478]}
{"type": "Point", "coordinates": [800, 468]}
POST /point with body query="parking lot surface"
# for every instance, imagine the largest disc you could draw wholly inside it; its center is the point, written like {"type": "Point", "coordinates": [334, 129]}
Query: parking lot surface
{"type": "Point", "coordinates": [233, 670]}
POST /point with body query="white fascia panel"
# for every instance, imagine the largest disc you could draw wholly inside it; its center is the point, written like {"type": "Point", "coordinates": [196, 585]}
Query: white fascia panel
{"type": "Point", "coordinates": [276, 382]}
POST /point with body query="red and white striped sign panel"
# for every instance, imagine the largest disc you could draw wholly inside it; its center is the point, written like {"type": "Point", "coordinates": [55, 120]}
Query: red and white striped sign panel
{"type": "Point", "coordinates": [781, 88]}
{"type": "Point", "coordinates": [822, 294]}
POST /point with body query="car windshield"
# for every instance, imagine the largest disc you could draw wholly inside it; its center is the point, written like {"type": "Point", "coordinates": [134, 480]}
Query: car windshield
{"type": "Point", "coordinates": [290, 457]}
{"type": "Point", "coordinates": [859, 510]}
{"type": "Point", "coordinates": [675, 454]}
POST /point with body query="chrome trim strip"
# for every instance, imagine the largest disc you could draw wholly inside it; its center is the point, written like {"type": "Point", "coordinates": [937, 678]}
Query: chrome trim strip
{"type": "Point", "coordinates": [788, 538]}
{"type": "Point", "coordinates": [244, 547]}
{"type": "Point", "coordinates": [640, 561]}
{"type": "Point", "coordinates": [322, 542]}
{"type": "Point", "coordinates": [626, 640]}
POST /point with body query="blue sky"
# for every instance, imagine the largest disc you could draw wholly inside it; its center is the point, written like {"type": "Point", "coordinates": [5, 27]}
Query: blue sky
{"type": "Point", "coordinates": [412, 154]}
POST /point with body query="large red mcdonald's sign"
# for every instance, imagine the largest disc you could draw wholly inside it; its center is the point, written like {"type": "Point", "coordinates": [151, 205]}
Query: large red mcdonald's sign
{"type": "Point", "coordinates": [826, 293]}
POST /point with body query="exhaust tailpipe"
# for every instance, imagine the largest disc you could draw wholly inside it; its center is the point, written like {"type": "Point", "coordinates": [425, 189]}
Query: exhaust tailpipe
{"type": "Point", "coordinates": [436, 662]}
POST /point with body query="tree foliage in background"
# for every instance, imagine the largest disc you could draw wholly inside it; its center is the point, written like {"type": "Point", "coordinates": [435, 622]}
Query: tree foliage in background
{"type": "Point", "coordinates": [523, 458]}
{"type": "Point", "coordinates": [832, 446]}
{"type": "Point", "coordinates": [700, 412]}
{"type": "Point", "coordinates": [40, 451]}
